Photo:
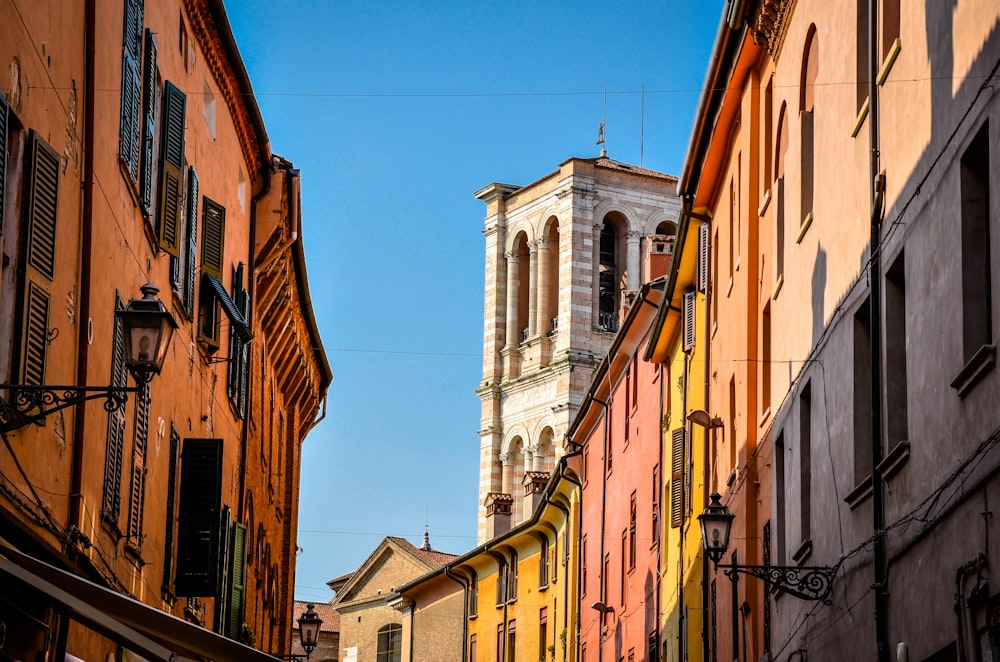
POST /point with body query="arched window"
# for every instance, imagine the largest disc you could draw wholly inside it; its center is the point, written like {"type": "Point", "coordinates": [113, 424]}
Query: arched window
{"type": "Point", "coordinates": [780, 149]}
{"type": "Point", "coordinates": [807, 105]}
{"type": "Point", "coordinates": [523, 258]}
{"type": "Point", "coordinates": [667, 229]}
{"type": "Point", "coordinates": [390, 643]}
{"type": "Point", "coordinates": [611, 270]}
{"type": "Point", "coordinates": [549, 305]}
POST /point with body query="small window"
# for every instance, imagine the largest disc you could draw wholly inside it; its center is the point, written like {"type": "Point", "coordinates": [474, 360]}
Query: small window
{"type": "Point", "coordinates": [241, 190]}
{"type": "Point", "coordinates": [543, 563]}
{"type": "Point", "coordinates": [209, 108]}
{"type": "Point", "coordinates": [390, 643]}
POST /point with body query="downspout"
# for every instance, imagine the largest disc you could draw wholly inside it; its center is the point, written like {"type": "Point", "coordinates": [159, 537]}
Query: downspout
{"type": "Point", "coordinates": [875, 317]}
{"type": "Point", "coordinates": [659, 524]}
{"type": "Point", "coordinates": [604, 502]}
{"type": "Point", "coordinates": [682, 615]}
{"type": "Point", "coordinates": [549, 501]}
{"type": "Point", "coordinates": [465, 615]}
{"type": "Point", "coordinates": [86, 244]}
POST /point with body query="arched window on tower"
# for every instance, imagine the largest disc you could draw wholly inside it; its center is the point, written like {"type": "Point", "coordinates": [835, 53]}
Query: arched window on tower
{"type": "Point", "coordinates": [519, 269]}
{"type": "Point", "coordinates": [549, 310]}
{"type": "Point", "coordinates": [611, 266]}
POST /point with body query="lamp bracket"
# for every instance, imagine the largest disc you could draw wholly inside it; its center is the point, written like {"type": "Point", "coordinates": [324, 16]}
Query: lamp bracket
{"type": "Point", "coordinates": [28, 404]}
{"type": "Point", "coordinates": [802, 581]}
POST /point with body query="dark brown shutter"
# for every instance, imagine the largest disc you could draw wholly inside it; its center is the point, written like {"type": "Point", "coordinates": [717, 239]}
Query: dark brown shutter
{"type": "Point", "coordinates": [39, 257]}
{"type": "Point", "coordinates": [213, 238]}
{"type": "Point", "coordinates": [171, 194]}
{"type": "Point", "coordinates": [676, 477]}
{"type": "Point", "coordinates": [192, 238]}
{"type": "Point", "coordinates": [199, 518]}
{"type": "Point", "coordinates": [115, 440]}
{"type": "Point", "coordinates": [168, 547]}
{"type": "Point", "coordinates": [237, 575]}
{"type": "Point", "coordinates": [137, 496]}
{"type": "Point", "coordinates": [689, 335]}
{"type": "Point", "coordinates": [148, 123]}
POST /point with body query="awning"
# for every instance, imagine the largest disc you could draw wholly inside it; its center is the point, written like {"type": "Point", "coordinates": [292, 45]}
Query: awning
{"type": "Point", "coordinates": [240, 324]}
{"type": "Point", "coordinates": [154, 634]}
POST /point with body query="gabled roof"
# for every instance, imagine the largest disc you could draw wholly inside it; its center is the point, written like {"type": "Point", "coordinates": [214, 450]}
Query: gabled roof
{"type": "Point", "coordinates": [424, 559]}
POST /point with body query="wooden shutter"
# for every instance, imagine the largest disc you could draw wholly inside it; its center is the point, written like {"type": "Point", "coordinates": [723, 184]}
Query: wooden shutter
{"type": "Point", "coordinates": [199, 518]}
{"type": "Point", "coordinates": [237, 574]}
{"type": "Point", "coordinates": [703, 258]}
{"type": "Point", "coordinates": [689, 301]}
{"type": "Point", "coordinates": [213, 238]}
{"type": "Point", "coordinates": [4, 130]}
{"type": "Point", "coordinates": [137, 495]}
{"type": "Point", "coordinates": [131, 97]}
{"type": "Point", "coordinates": [676, 477]}
{"type": "Point", "coordinates": [168, 230]}
{"type": "Point", "coordinates": [39, 257]}
{"type": "Point", "coordinates": [238, 349]}
{"type": "Point", "coordinates": [115, 440]}
{"type": "Point", "coordinates": [167, 587]}
{"type": "Point", "coordinates": [148, 123]}
{"type": "Point", "coordinates": [192, 238]}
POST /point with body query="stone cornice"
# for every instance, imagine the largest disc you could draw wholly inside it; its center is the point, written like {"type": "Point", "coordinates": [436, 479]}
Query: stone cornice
{"type": "Point", "coordinates": [224, 72]}
{"type": "Point", "coordinates": [771, 23]}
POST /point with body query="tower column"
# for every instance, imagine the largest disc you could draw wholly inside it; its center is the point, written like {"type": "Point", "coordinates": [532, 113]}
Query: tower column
{"type": "Point", "coordinates": [532, 288]}
{"type": "Point", "coordinates": [632, 259]}
{"type": "Point", "coordinates": [545, 313]}
{"type": "Point", "coordinates": [507, 483]}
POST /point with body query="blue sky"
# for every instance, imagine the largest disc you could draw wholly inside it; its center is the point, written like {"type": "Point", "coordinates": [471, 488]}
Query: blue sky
{"type": "Point", "coordinates": [396, 112]}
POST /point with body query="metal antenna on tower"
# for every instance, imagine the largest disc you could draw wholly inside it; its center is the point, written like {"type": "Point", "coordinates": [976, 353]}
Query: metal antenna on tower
{"type": "Point", "coordinates": [642, 127]}
{"type": "Point", "coordinates": [600, 131]}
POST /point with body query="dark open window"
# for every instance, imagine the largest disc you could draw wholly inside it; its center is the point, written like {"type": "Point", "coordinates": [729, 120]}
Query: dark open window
{"type": "Point", "coordinates": [238, 348]}
{"type": "Point", "coordinates": [199, 521]}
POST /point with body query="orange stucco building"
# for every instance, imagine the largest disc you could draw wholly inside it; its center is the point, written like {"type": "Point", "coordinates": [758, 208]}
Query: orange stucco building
{"type": "Point", "coordinates": [132, 151]}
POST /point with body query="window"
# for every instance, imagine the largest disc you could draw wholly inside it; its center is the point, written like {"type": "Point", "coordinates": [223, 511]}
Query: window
{"type": "Point", "coordinates": [780, 488]}
{"type": "Point", "coordinates": [780, 148]}
{"type": "Point", "coordinates": [862, 68]}
{"type": "Point", "coordinates": [501, 583]}
{"type": "Point", "coordinates": [500, 642]}
{"type": "Point", "coordinates": [167, 587]}
{"type": "Point", "coordinates": [608, 278]}
{"type": "Point", "coordinates": [554, 560]}
{"type": "Point", "coordinates": [473, 596]}
{"type": "Point", "coordinates": [655, 533]}
{"type": "Point", "coordinates": [115, 438]}
{"type": "Point", "coordinates": [511, 642]}
{"type": "Point", "coordinates": [239, 351]}
{"type": "Point", "coordinates": [168, 227]}
{"type": "Point", "coordinates": [583, 565]}
{"type": "Point", "coordinates": [472, 647]}
{"type": "Point", "coordinates": [978, 351]}
{"type": "Point", "coordinates": [606, 579]}
{"type": "Point", "coordinates": [148, 123]}
{"type": "Point", "coordinates": [631, 532]}
{"type": "Point", "coordinates": [805, 460]}
{"type": "Point", "coordinates": [621, 565]}
{"type": "Point", "coordinates": [895, 352]}
{"type": "Point", "coordinates": [214, 297]}
{"type": "Point", "coordinates": [199, 519]}
{"type": "Point", "coordinates": [765, 359]}
{"type": "Point", "coordinates": [512, 578]}
{"type": "Point", "coordinates": [689, 321]}
{"type": "Point", "coordinates": [543, 620]}
{"type": "Point", "coordinates": [807, 103]}
{"type": "Point", "coordinates": [237, 582]}
{"type": "Point", "coordinates": [131, 91]}
{"type": "Point", "coordinates": [543, 563]}
{"type": "Point", "coordinates": [390, 643]}
{"type": "Point", "coordinates": [862, 393]}
{"type": "Point", "coordinates": [732, 425]}
{"type": "Point", "coordinates": [209, 109]}
{"type": "Point", "coordinates": [183, 267]}
{"type": "Point", "coordinates": [890, 25]}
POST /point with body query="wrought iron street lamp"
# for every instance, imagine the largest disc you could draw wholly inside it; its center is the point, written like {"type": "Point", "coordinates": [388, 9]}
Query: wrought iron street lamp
{"type": "Point", "coordinates": [147, 325]}
{"type": "Point", "coordinates": [805, 582]}
{"type": "Point", "coordinates": [309, 623]}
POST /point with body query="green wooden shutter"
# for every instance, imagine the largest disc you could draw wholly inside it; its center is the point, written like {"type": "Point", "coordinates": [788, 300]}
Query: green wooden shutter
{"type": "Point", "coordinates": [676, 477]}
{"type": "Point", "coordinates": [237, 575]}
{"type": "Point", "coordinates": [39, 257]}
{"type": "Point", "coordinates": [168, 230]}
{"type": "Point", "coordinates": [115, 439]}
{"type": "Point", "coordinates": [192, 238]}
{"type": "Point", "coordinates": [4, 129]}
{"type": "Point", "coordinates": [213, 238]}
{"type": "Point", "coordinates": [199, 521]}
{"type": "Point", "coordinates": [148, 123]}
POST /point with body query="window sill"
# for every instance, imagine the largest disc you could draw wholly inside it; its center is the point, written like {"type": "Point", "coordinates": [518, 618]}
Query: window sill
{"type": "Point", "coordinates": [890, 60]}
{"type": "Point", "coordinates": [133, 554]}
{"type": "Point", "coordinates": [860, 493]}
{"type": "Point", "coordinates": [764, 204]}
{"type": "Point", "coordinates": [894, 460]}
{"type": "Point", "coordinates": [729, 288]}
{"type": "Point", "coordinates": [777, 287]}
{"type": "Point", "coordinates": [859, 121]}
{"type": "Point", "coordinates": [764, 418]}
{"type": "Point", "coordinates": [804, 551]}
{"type": "Point", "coordinates": [977, 367]}
{"type": "Point", "coordinates": [806, 222]}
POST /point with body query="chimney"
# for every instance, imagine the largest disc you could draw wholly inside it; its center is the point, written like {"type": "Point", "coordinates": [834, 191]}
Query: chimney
{"type": "Point", "coordinates": [659, 249]}
{"type": "Point", "coordinates": [534, 490]}
{"type": "Point", "coordinates": [498, 508]}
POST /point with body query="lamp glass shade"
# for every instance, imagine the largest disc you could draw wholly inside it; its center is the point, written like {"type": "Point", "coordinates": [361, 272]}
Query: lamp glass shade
{"type": "Point", "coordinates": [309, 623]}
{"type": "Point", "coordinates": [716, 523]}
{"type": "Point", "coordinates": [148, 326]}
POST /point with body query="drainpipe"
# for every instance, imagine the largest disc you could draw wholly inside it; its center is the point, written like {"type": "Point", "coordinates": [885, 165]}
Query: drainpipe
{"type": "Point", "coordinates": [86, 243]}
{"type": "Point", "coordinates": [689, 428]}
{"type": "Point", "coordinates": [465, 615]}
{"type": "Point", "coordinates": [564, 509]}
{"type": "Point", "coordinates": [875, 317]}
{"type": "Point", "coordinates": [659, 524]}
